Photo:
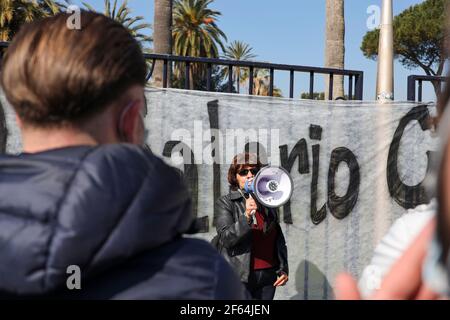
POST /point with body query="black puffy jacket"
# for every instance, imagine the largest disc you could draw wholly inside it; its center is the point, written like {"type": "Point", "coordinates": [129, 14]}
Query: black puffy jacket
{"type": "Point", "coordinates": [118, 213]}
{"type": "Point", "coordinates": [235, 235]}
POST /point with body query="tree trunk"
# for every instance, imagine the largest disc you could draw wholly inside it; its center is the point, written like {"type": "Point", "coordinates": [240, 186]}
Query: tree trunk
{"type": "Point", "coordinates": [334, 44]}
{"type": "Point", "coordinates": [437, 88]}
{"type": "Point", "coordinates": [191, 78]}
{"type": "Point", "coordinates": [162, 37]}
{"type": "Point", "coordinates": [238, 84]}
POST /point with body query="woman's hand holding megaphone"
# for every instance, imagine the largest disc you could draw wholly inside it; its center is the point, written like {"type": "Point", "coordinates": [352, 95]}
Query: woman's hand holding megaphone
{"type": "Point", "coordinates": [250, 205]}
{"type": "Point", "coordinates": [250, 208]}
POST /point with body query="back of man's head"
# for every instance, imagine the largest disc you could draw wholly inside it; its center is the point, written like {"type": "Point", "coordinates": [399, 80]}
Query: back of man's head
{"type": "Point", "coordinates": [53, 75]}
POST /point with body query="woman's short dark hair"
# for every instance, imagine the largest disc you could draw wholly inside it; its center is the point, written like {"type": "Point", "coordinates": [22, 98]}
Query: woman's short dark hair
{"type": "Point", "coordinates": [240, 161]}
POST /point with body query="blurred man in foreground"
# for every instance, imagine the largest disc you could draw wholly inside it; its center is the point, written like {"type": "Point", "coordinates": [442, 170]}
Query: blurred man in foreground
{"type": "Point", "coordinates": [77, 199]}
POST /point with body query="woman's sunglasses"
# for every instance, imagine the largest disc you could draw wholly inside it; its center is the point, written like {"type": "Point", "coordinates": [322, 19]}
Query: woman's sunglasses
{"type": "Point", "coordinates": [244, 172]}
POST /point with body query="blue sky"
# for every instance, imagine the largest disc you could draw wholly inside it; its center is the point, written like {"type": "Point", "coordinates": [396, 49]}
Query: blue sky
{"type": "Point", "coordinates": [292, 32]}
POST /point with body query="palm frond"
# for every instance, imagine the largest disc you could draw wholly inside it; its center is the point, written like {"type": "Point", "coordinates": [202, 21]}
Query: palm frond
{"type": "Point", "coordinates": [88, 6]}
{"type": "Point", "coordinates": [122, 14]}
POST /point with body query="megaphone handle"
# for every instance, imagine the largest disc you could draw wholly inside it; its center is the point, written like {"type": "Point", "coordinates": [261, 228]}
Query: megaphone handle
{"type": "Point", "coordinates": [252, 213]}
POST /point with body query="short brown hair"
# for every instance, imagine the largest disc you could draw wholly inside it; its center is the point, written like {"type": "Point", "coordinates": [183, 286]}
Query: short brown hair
{"type": "Point", "coordinates": [54, 75]}
{"type": "Point", "coordinates": [240, 161]}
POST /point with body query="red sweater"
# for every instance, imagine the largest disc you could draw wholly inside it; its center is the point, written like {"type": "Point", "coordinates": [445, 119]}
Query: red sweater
{"type": "Point", "coordinates": [263, 245]}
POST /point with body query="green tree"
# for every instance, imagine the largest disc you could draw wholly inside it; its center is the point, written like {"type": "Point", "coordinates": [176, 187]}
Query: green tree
{"type": "Point", "coordinates": [240, 51]}
{"type": "Point", "coordinates": [123, 15]}
{"type": "Point", "coordinates": [219, 83]}
{"type": "Point", "coordinates": [162, 36]}
{"type": "Point", "coordinates": [195, 31]}
{"type": "Point", "coordinates": [14, 13]}
{"type": "Point", "coordinates": [418, 38]}
{"type": "Point", "coordinates": [316, 95]}
{"type": "Point", "coordinates": [196, 34]}
{"type": "Point", "coordinates": [335, 43]}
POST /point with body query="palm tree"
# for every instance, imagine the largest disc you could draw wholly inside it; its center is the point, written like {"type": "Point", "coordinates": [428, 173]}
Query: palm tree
{"type": "Point", "coordinates": [162, 36]}
{"type": "Point", "coordinates": [241, 51]}
{"type": "Point", "coordinates": [14, 13]}
{"type": "Point", "coordinates": [195, 32]}
{"type": "Point", "coordinates": [122, 14]}
{"type": "Point", "coordinates": [334, 44]}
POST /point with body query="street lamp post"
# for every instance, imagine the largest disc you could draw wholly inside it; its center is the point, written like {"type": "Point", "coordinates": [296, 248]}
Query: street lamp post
{"type": "Point", "coordinates": [385, 93]}
{"type": "Point", "coordinates": [385, 73]}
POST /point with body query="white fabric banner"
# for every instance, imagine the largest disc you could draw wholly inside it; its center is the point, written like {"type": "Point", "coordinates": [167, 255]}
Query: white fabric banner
{"type": "Point", "coordinates": [356, 167]}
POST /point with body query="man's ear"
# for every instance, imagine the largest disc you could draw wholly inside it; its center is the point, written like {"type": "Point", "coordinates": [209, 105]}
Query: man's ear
{"type": "Point", "coordinates": [128, 122]}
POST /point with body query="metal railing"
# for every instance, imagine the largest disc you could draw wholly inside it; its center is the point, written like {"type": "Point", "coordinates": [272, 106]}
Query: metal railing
{"type": "Point", "coordinates": [355, 83]}
{"type": "Point", "coordinates": [420, 79]}
{"type": "Point", "coordinates": [3, 45]}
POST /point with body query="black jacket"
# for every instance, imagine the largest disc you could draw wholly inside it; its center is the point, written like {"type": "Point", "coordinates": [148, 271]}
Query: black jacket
{"type": "Point", "coordinates": [236, 237]}
{"type": "Point", "coordinates": [118, 213]}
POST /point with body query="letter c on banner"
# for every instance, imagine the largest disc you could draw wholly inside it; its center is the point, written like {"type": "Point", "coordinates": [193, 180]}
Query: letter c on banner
{"type": "Point", "coordinates": [406, 196]}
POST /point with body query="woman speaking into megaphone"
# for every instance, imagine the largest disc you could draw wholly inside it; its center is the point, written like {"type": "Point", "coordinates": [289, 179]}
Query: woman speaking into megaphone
{"type": "Point", "coordinates": [249, 234]}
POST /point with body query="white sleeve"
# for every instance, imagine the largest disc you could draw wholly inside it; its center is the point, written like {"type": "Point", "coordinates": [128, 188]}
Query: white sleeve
{"type": "Point", "coordinates": [393, 245]}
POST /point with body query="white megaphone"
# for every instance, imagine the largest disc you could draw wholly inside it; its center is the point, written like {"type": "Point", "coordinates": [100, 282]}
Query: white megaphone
{"type": "Point", "coordinates": [272, 186]}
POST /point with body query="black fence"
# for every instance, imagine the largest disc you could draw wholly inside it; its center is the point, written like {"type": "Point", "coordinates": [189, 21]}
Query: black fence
{"type": "Point", "coordinates": [419, 79]}
{"type": "Point", "coordinates": [3, 46]}
{"type": "Point", "coordinates": [355, 83]}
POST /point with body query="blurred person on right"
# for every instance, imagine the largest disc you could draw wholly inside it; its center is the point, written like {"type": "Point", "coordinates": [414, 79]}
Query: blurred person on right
{"type": "Point", "coordinates": [413, 258]}
{"type": "Point", "coordinates": [411, 261]}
